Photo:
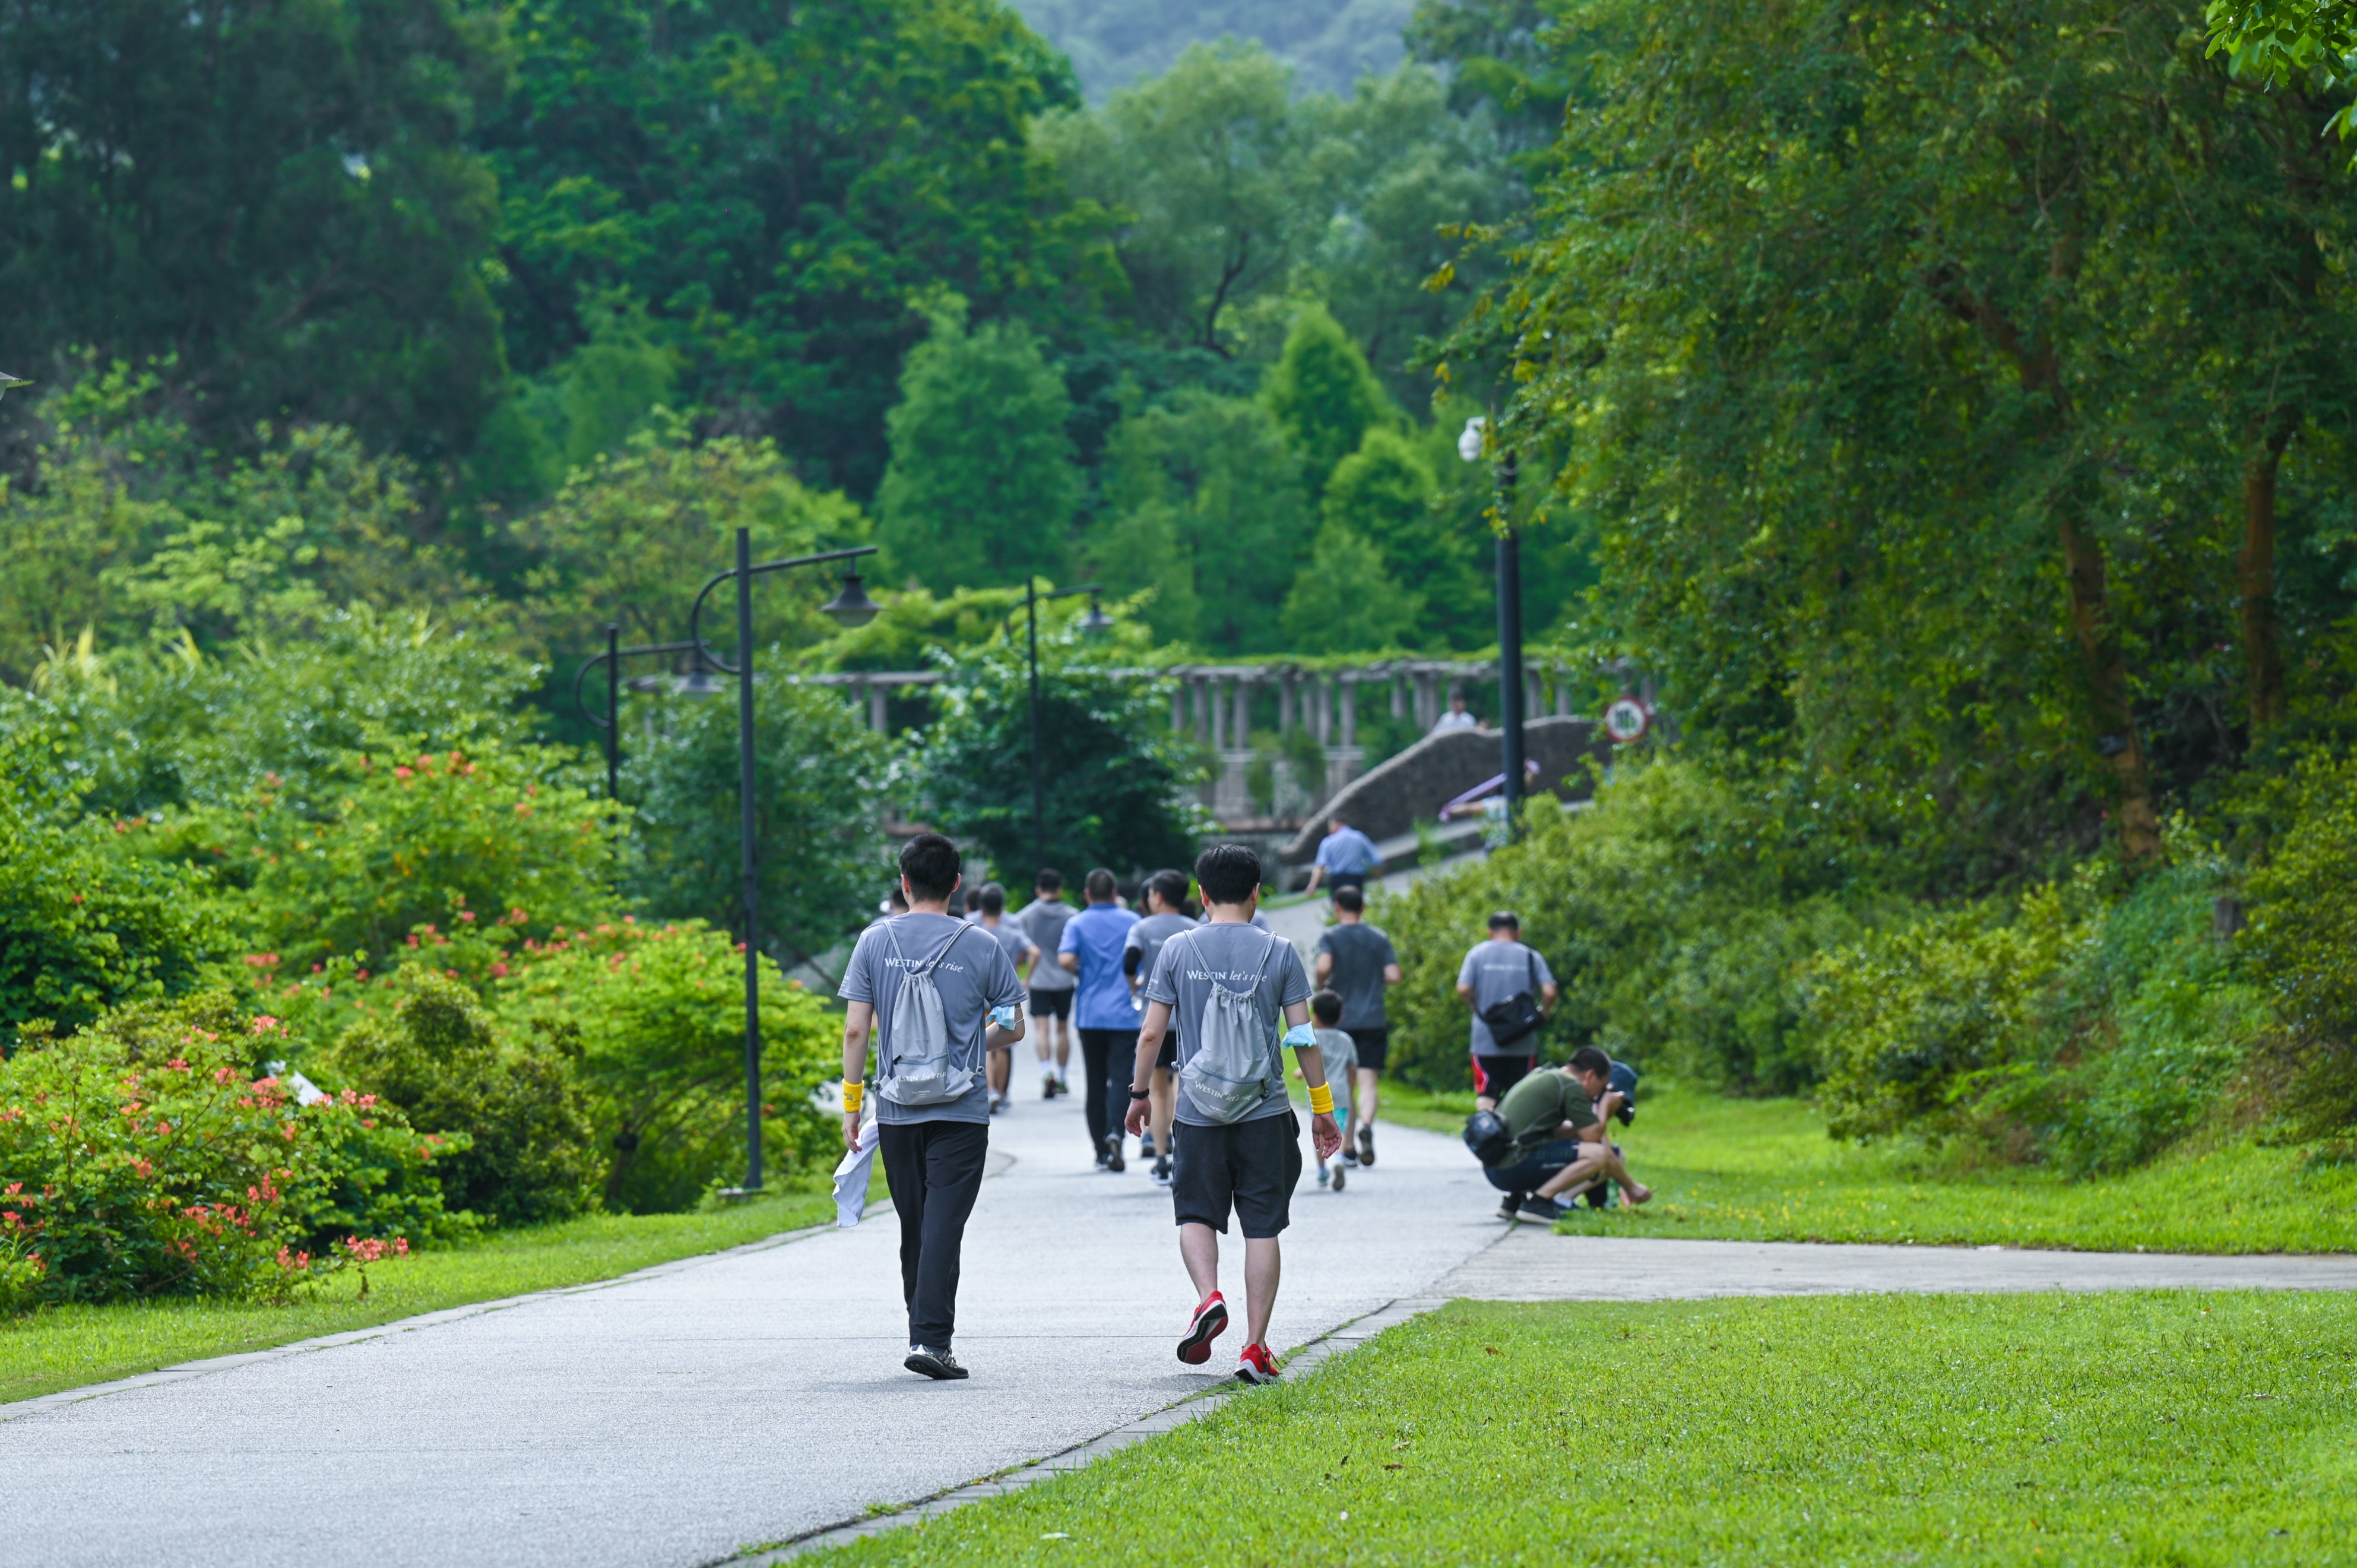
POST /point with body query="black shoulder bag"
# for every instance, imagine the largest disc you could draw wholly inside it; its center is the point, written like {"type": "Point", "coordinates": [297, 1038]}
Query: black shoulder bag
{"type": "Point", "coordinates": [1518, 1016]}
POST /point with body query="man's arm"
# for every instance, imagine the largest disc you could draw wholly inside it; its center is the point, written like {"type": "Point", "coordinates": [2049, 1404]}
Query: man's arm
{"type": "Point", "coordinates": [1325, 967]}
{"type": "Point", "coordinates": [1069, 962]}
{"type": "Point", "coordinates": [1150, 1030]}
{"type": "Point", "coordinates": [1463, 990]}
{"type": "Point", "coordinates": [1317, 875]}
{"type": "Point", "coordinates": [858, 1018]}
{"type": "Point", "coordinates": [1325, 1132]}
{"type": "Point", "coordinates": [1547, 993]}
{"type": "Point", "coordinates": [1392, 975]}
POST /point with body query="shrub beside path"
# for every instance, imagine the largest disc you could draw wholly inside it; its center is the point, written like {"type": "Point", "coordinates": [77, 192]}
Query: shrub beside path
{"type": "Point", "coordinates": [680, 1415]}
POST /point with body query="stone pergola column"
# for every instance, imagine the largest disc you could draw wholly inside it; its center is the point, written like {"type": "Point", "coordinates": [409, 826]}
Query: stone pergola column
{"type": "Point", "coordinates": [1562, 691]}
{"type": "Point", "coordinates": [1242, 733]}
{"type": "Point", "coordinates": [1197, 689]}
{"type": "Point", "coordinates": [1349, 707]}
{"type": "Point", "coordinates": [1533, 694]}
{"type": "Point", "coordinates": [1399, 695]}
{"type": "Point", "coordinates": [877, 717]}
{"type": "Point", "coordinates": [1323, 724]}
{"type": "Point", "coordinates": [1179, 708]}
{"type": "Point", "coordinates": [1427, 702]}
{"type": "Point", "coordinates": [1285, 700]}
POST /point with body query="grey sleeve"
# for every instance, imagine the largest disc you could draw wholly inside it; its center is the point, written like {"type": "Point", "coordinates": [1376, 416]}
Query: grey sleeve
{"type": "Point", "coordinates": [858, 975]}
{"type": "Point", "coordinates": [1001, 986]}
{"type": "Point", "coordinates": [1538, 962]}
{"type": "Point", "coordinates": [1162, 985]}
{"type": "Point", "coordinates": [1465, 970]}
{"type": "Point", "coordinates": [1390, 954]}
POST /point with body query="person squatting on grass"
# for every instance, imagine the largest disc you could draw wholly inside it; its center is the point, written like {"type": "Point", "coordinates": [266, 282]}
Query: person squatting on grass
{"type": "Point", "coordinates": [1556, 1119]}
{"type": "Point", "coordinates": [938, 994]}
{"type": "Point", "coordinates": [1236, 1144]}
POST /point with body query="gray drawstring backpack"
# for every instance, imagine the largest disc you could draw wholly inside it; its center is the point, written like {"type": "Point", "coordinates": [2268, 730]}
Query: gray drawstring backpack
{"type": "Point", "coordinates": [917, 1069]}
{"type": "Point", "coordinates": [1235, 1065]}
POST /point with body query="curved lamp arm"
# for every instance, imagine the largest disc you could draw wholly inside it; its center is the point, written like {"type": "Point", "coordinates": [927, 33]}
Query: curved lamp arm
{"type": "Point", "coordinates": [597, 659]}
{"type": "Point", "coordinates": [695, 615]}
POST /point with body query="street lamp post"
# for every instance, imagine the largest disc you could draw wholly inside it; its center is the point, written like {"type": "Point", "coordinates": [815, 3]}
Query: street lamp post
{"type": "Point", "coordinates": [850, 607]}
{"type": "Point", "coordinates": [612, 659]}
{"type": "Point", "coordinates": [1470, 447]}
{"type": "Point", "coordinates": [1097, 620]}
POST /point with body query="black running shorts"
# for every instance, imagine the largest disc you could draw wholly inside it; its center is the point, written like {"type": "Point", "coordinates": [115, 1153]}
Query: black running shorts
{"type": "Point", "coordinates": [1373, 1046]}
{"type": "Point", "coordinates": [1052, 1003]}
{"type": "Point", "coordinates": [1168, 1059]}
{"type": "Point", "coordinates": [1249, 1167]}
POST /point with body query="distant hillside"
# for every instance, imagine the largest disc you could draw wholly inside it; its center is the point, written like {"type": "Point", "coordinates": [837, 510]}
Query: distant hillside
{"type": "Point", "coordinates": [1329, 43]}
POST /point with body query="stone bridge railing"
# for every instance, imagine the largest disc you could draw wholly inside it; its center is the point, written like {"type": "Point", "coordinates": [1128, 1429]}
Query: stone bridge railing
{"type": "Point", "coordinates": [1219, 703]}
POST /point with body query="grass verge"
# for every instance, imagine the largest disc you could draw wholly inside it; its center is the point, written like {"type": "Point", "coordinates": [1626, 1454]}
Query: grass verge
{"type": "Point", "coordinates": [2157, 1427]}
{"type": "Point", "coordinates": [1763, 1170]}
{"type": "Point", "coordinates": [64, 1347]}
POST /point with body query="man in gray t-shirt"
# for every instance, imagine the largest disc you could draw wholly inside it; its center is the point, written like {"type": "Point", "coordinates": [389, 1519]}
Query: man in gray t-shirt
{"type": "Point", "coordinates": [932, 1155]}
{"type": "Point", "coordinates": [1043, 921]}
{"type": "Point", "coordinates": [1167, 917]}
{"type": "Point", "coordinates": [1496, 970]}
{"type": "Point", "coordinates": [1248, 1167]}
{"type": "Point", "coordinates": [1020, 951]}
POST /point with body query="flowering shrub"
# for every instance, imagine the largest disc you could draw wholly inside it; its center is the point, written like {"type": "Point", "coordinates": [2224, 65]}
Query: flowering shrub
{"type": "Point", "coordinates": [419, 839]}
{"type": "Point", "coordinates": [144, 1158]}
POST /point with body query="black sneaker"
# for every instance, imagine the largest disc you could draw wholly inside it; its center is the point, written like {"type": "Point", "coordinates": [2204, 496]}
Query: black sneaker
{"type": "Point", "coordinates": [1338, 1175]}
{"type": "Point", "coordinates": [939, 1365]}
{"type": "Point", "coordinates": [1145, 1144]}
{"type": "Point", "coordinates": [1047, 1086]}
{"type": "Point", "coordinates": [1513, 1207]}
{"type": "Point", "coordinates": [1162, 1170]}
{"type": "Point", "coordinates": [1547, 1208]}
{"type": "Point", "coordinates": [1113, 1160]}
{"type": "Point", "coordinates": [1366, 1145]}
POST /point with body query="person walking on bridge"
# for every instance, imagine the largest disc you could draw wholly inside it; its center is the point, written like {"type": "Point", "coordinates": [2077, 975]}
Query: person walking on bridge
{"type": "Point", "coordinates": [1346, 857]}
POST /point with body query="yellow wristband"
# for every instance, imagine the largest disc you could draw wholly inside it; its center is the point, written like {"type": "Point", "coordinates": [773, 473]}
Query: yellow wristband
{"type": "Point", "coordinates": [1322, 1100]}
{"type": "Point", "coordinates": [855, 1094]}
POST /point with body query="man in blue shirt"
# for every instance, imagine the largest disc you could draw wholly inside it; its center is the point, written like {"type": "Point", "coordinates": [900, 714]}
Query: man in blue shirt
{"type": "Point", "coordinates": [1102, 1011]}
{"type": "Point", "coordinates": [1345, 857]}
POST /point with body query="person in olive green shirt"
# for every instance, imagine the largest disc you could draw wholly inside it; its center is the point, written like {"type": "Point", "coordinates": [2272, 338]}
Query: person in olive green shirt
{"type": "Point", "coordinates": [1556, 1119]}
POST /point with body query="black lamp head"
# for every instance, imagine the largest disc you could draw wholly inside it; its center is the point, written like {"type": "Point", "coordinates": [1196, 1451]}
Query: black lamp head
{"type": "Point", "coordinates": [851, 609]}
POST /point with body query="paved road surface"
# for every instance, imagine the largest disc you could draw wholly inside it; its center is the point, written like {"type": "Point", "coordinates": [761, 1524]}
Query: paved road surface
{"type": "Point", "coordinates": [672, 1418]}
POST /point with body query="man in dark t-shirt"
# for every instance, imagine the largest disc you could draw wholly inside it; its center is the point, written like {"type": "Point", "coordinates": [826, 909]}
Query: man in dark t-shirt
{"type": "Point", "coordinates": [1355, 960]}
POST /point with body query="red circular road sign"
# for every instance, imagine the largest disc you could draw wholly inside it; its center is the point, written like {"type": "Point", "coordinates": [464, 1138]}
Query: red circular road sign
{"type": "Point", "coordinates": [1626, 719]}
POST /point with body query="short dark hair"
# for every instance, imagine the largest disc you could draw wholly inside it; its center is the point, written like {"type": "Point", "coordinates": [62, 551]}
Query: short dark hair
{"type": "Point", "coordinates": [1101, 885]}
{"type": "Point", "coordinates": [931, 863]}
{"type": "Point", "coordinates": [1506, 918]}
{"type": "Point", "coordinates": [1172, 885]}
{"type": "Point", "coordinates": [1049, 880]}
{"type": "Point", "coordinates": [1351, 899]}
{"type": "Point", "coordinates": [993, 898]}
{"type": "Point", "coordinates": [1326, 1006]}
{"type": "Point", "coordinates": [898, 900]}
{"type": "Point", "coordinates": [972, 899]}
{"type": "Point", "coordinates": [1229, 873]}
{"type": "Point", "coordinates": [1590, 1058]}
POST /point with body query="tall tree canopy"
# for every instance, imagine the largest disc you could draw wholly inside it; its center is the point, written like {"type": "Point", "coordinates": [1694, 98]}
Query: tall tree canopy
{"type": "Point", "coordinates": [777, 184]}
{"type": "Point", "coordinates": [278, 197]}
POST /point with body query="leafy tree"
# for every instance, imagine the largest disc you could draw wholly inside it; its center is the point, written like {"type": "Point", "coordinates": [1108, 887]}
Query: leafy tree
{"type": "Point", "coordinates": [1207, 509]}
{"type": "Point", "coordinates": [1205, 166]}
{"type": "Point", "coordinates": [1323, 393]}
{"type": "Point", "coordinates": [280, 198]}
{"type": "Point", "coordinates": [1117, 776]}
{"type": "Point", "coordinates": [982, 487]}
{"type": "Point", "coordinates": [777, 183]}
{"type": "Point", "coordinates": [1327, 44]}
{"type": "Point", "coordinates": [1344, 601]}
{"type": "Point", "coordinates": [583, 407]}
{"type": "Point", "coordinates": [632, 537]}
{"type": "Point", "coordinates": [1386, 494]}
{"type": "Point", "coordinates": [823, 788]}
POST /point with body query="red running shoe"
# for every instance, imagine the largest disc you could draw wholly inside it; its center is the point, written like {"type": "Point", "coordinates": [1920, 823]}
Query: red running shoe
{"type": "Point", "coordinates": [1256, 1364]}
{"type": "Point", "coordinates": [1211, 1318]}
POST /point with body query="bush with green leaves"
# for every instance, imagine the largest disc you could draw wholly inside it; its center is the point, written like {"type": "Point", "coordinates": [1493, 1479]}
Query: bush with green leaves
{"type": "Point", "coordinates": [85, 925]}
{"type": "Point", "coordinates": [658, 1012]}
{"type": "Point", "coordinates": [824, 778]}
{"type": "Point", "coordinates": [525, 1147]}
{"type": "Point", "coordinates": [1673, 913]}
{"type": "Point", "coordinates": [2303, 943]}
{"type": "Point", "coordinates": [410, 839]}
{"type": "Point", "coordinates": [151, 1155]}
{"type": "Point", "coordinates": [1118, 778]}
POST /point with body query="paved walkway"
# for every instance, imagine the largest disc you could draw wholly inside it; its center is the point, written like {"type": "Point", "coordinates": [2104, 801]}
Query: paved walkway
{"type": "Point", "coordinates": [677, 1417]}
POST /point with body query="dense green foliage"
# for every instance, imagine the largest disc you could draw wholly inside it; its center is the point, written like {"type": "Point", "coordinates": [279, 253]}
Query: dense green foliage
{"type": "Point", "coordinates": [1114, 774]}
{"type": "Point", "coordinates": [1329, 44]}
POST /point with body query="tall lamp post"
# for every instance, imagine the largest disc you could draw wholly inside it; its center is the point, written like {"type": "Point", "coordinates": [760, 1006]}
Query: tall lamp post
{"type": "Point", "coordinates": [1470, 447]}
{"type": "Point", "coordinates": [1097, 620]}
{"type": "Point", "coordinates": [612, 659]}
{"type": "Point", "coordinates": [850, 607]}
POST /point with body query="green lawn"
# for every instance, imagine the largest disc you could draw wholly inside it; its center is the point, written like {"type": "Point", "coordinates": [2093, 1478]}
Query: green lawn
{"type": "Point", "coordinates": [1764, 1170]}
{"type": "Point", "coordinates": [2157, 1427]}
{"type": "Point", "coordinates": [63, 1347]}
